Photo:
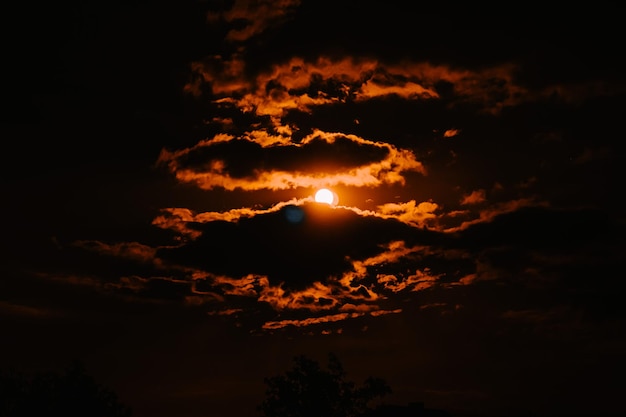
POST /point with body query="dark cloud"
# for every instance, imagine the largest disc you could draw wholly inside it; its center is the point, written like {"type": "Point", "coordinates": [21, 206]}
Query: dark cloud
{"type": "Point", "coordinates": [545, 229]}
{"type": "Point", "coordinates": [243, 158]}
{"type": "Point", "coordinates": [297, 250]}
{"type": "Point", "coordinates": [565, 258]}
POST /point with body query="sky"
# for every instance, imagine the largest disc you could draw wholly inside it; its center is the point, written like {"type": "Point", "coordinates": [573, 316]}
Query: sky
{"type": "Point", "coordinates": [160, 222]}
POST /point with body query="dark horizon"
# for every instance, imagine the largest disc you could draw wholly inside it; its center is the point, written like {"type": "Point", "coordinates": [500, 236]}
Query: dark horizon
{"type": "Point", "coordinates": [74, 384]}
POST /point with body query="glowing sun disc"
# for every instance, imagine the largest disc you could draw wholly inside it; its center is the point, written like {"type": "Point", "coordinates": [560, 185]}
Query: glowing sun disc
{"type": "Point", "coordinates": [324, 195]}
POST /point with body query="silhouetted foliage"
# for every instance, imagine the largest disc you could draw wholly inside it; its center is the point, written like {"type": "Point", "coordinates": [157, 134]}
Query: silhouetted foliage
{"type": "Point", "coordinates": [72, 393]}
{"type": "Point", "coordinates": [308, 390]}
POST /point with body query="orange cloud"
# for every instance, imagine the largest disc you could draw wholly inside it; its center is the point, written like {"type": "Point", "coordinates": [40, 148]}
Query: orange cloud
{"type": "Point", "coordinates": [393, 252]}
{"type": "Point", "coordinates": [247, 286]}
{"type": "Point", "coordinates": [408, 90]}
{"type": "Point", "coordinates": [410, 212]}
{"type": "Point", "coordinates": [299, 84]}
{"type": "Point", "coordinates": [253, 17]}
{"type": "Point", "coordinates": [489, 213]}
{"type": "Point", "coordinates": [384, 312]}
{"type": "Point", "coordinates": [316, 297]}
{"type": "Point", "coordinates": [278, 101]}
{"type": "Point", "coordinates": [177, 219]}
{"type": "Point", "coordinates": [223, 76]}
{"type": "Point", "coordinates": [227, 312]}
{"type": "Point", "coordinates": [450, 133]}
{"type": "Point", "coordinates": [271, 325]}
{"type": "Point", "coordinates": [287, 86]}
{"type": "Point", "coordinates": [475, 197]}
{"type": "Point", "coordinates": [418, 281]}
{"type": "Point", "coordinates": [213, 171]}
{"type": "Point", "coordinates": [363, 308]}
{"type": "Point", "coordinates": [335, 295]}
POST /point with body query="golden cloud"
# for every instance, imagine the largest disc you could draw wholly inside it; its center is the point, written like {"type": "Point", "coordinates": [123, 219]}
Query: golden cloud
{"type": "Point", "coordinates": [410, 212]}
{"type": "Point", "coordinates": [271, 325]}
{"type": "Point", "coordinates": [288, 86]}
{"type": "Point", "coordinates": [418, 281]}
{"type": "Point", "coordinates": [212, 171]}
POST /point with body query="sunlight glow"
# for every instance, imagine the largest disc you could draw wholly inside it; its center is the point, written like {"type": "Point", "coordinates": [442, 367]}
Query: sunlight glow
{"type": "Point", "coordinates": [324, 195]}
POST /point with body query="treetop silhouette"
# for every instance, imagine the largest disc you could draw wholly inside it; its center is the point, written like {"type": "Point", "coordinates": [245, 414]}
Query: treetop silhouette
{"type": "Point", "coordinates": [308, 390]}
{"type": "Point", "coordinates": [72, 393]}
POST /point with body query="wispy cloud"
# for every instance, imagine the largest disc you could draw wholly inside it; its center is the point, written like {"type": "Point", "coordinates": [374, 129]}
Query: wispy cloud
{"type": "Point", "coordinates": [23, 310]}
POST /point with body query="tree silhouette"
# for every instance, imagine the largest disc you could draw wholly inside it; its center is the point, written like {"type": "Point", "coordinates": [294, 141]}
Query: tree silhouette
{"type": "Point", "coordinates": [72, 393]}
{"type": "Point", "coordinates": [308, 390]}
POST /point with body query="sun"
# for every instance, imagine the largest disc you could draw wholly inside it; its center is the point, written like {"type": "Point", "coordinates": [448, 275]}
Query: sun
{"type": "Point", "coordinates": [324, 195]}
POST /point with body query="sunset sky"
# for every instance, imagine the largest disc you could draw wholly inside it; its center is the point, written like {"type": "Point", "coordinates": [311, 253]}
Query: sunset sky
{"type": "Point", "coordinates": [160, 167]}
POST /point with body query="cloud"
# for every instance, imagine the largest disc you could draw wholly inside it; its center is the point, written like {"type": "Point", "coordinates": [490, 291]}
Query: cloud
{"type": "Point", "coordinates": [252, 17]}
{"type": "Point", "coordinates": [229, 76]}
{"type": "Point", "coordinates": [475, 197]}
{"type": "Point", "coordinates": [299, 253]}
{"type": "Point", "coordinates": [274, 325]}
{"type": "Point", "coordinates": [284, 275]}
{"type": "Point", "coordinates": [128, 250]}
{"type": "Point", "coordinates": [303, 264]}
{"type": "Point", "coordinates": [300, 84]}
{"type": "Point", "coordinates": [315, 297]}
{"type": "Point", "coordinates": [540, 226]}
{"type": "Point", "coordinates": [362, 268]}
{"type": "Point", "coordinates": [577, 92]}
{"type": "Point", "coordinates": [82, 280]}
{"type": "Point", "coordinates": [321, 159]}
{"type": "Point", "coordinates": [489, 213]}
{"type": "Point", "coordinates": [407, 90]}
{"type": "Point", "coordinates": [450, 133]}
{"type": "Point", "coordinates": [410, 212]}
{"type": "Point", "coordinates": [15, 309]}
{"type": "Point", "coordinates": [418, 281]}
{"type": "Point", "coordinates": [542, 249]}
{"type": "Point", "coordinates": [309, 321]}
{"type": "Point", "coordinates": [336, 263]}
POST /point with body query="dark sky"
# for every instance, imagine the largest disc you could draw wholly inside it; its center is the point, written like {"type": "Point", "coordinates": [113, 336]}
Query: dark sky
{"type": "Point", "coordinates": [159, 171]}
